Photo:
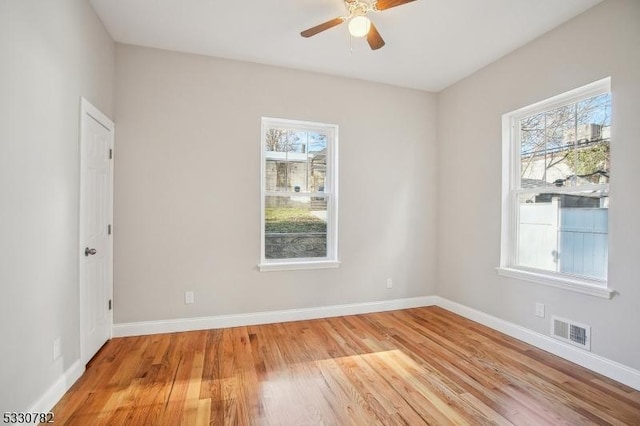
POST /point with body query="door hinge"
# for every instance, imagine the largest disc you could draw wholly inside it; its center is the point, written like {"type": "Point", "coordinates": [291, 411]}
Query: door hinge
{"type": "Point", "coordinates": [110, 304]}
{"type": "Point", "coordinates": [110, 154]}
{"type": "Point", "coordinates": [108, 229]}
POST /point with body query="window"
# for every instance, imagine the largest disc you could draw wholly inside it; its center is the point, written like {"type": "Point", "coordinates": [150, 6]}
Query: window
{"type": "Point", "coordinates": [556, 171]}
{"type": "Point", "coordinates": [299, 195]}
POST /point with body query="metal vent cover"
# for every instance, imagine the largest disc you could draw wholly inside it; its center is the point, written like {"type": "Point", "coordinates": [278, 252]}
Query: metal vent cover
{"type": "Point", "coordinates": [571, 332]}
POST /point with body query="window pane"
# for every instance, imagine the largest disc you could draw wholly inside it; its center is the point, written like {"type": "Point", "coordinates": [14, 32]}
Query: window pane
{"type": "Point", "coordinates": [295, 227]}
{"type": "Point", "coordinates": [538, 232]}
{"type": "Point", "coordinates": [317, 161]}
{"type": "Point", "coordinates": [533, 168]}
{"type": "Point", "coordinates": [560, 123]}
{"type": "Point", "coordinates": [565, 233]}
{"type": "Point", "coordinates": [295, 160]}
{"type": "Point", "coordinates": [280, 140]}
{"type": "Point", "coordinates": [592, 157]}
{"type": "Point", "coordinates": [567, 146]}
{"type": "Point", "coordinates": [546, 145]}
{"type": "Point", "coordinates": [285, 175]}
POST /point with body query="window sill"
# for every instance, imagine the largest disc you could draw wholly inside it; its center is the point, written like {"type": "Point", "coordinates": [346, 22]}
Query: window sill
{"type": "Point", "coordinates": [567, 283]}
{"type": "Point", "coordinates": [292, 266]}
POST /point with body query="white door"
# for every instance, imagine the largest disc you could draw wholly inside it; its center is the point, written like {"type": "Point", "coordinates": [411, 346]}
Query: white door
{"type": "Point", "coordinates": [96, 247]}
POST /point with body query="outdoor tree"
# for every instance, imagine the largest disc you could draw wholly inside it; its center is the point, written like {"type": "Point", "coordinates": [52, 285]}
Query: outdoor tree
{"type": "Point", "coordinates": [569, 138]}
{"type": "Point", "coordinates": [281, 140]}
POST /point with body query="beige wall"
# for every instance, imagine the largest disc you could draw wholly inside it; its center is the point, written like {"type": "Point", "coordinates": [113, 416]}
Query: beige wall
{"type": "Point", "coordinates": [599, 43]}
{"type": "Point", "coordinates": [188, 188]}
{"type": "Point", "coordinates": [51, 53]}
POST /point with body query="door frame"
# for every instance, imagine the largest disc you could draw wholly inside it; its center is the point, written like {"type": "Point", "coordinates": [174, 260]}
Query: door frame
{"type": "Point", "coordinates": [88, 110]}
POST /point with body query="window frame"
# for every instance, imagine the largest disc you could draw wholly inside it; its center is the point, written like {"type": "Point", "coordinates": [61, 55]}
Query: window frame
{"type": "Point", "coordinates": [511, 190]}
{"type": "Point", "coordinates": [330, 193]}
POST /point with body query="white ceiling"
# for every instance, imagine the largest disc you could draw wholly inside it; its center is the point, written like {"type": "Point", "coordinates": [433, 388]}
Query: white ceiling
{"type": "Point", "coordinates": [431, 44]}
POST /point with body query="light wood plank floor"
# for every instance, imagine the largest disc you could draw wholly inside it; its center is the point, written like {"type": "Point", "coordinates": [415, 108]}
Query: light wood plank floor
{"type": "Point", "coordinates": [415, 366]}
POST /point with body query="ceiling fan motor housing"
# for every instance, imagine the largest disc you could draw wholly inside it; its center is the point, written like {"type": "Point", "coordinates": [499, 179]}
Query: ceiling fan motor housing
{"type": "Point", "coordinates": [358, 8]}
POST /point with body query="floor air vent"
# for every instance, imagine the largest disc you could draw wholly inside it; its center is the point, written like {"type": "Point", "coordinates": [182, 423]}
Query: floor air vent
{"type": "Point", "coordinates": [571, 332]}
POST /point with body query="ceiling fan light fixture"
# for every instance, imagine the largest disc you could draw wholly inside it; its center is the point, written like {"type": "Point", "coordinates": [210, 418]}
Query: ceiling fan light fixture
{"type": "Point", "coordinates": [359, 26]}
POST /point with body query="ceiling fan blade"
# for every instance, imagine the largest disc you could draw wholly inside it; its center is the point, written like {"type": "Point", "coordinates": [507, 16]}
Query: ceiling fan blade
{"type": "Point", "coordinates": [322, 27]}
{"type": "Point", "coordinates": [388, 4]}
{"type": "Point", "coordinates": [374, 38]}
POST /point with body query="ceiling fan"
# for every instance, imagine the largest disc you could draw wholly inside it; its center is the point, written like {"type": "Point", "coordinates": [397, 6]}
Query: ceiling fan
{"type": "Point", "coordinates": [359, 24]}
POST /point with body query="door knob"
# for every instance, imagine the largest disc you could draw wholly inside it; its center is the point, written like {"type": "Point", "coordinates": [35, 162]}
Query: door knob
{"type": "Point", "coordinates": [89, 251]}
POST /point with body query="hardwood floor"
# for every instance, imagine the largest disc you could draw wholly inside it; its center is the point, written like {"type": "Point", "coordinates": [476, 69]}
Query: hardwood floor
{"type": "Point", "coordinates": [415, 366]}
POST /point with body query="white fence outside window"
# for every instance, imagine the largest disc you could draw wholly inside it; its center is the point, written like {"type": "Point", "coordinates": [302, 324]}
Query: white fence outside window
{"type": "Point", "coordinates": [567, 240]}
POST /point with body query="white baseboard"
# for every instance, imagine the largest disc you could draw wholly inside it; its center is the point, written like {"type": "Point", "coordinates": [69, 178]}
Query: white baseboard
{"type": "Point", "coordinates": [599, 364]}
{"type": "Point", "coordinates": [51, 397]}
{"type": "Point", "coordinates": [223, 321]}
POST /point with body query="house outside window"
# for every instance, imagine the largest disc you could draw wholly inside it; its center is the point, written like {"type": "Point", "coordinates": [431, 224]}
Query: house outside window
{"type": "Point", "coordinates": [299, 214]}
{"type": "Point", "coordinates": [556, 173]}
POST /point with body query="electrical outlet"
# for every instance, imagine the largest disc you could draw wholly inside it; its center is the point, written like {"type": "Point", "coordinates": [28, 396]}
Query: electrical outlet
{"type": "Point", "coordinates": [389, 283]}
{"type": "Point", "coordinates": [189, 298]}
{"type": "Point", "coordinates": [57, 349]}
{"type": "Point", "coordinates": [540, 310]}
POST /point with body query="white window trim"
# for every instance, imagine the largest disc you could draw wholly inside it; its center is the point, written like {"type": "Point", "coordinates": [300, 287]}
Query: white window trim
{"type": "Point", "coordinates": [299, 264]}
{"type": "Point", "coordinates": [578, 285]}
{"type": "Point", "coordinates": [510, 185]}
{"type": "Point", "coordinates": [331, 193]}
